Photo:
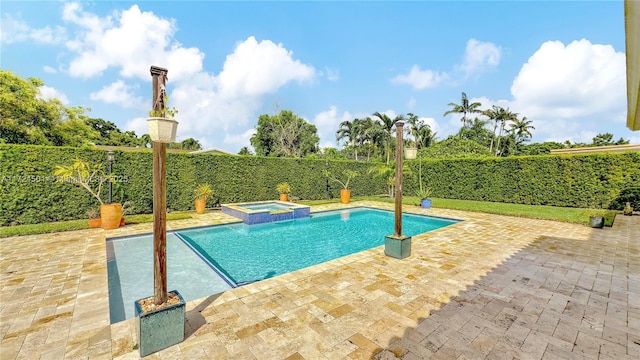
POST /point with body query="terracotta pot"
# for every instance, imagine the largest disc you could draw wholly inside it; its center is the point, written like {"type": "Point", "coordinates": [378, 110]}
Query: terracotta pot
{"type": "Point", "coordinates": [122, 221]}
{"type": "Point", "coordinates": [110, 215]}
{"type": "Point", "coordinates": [94, 223]}
{"type": "Point", "coordinates": [345, 196]}
{"type": "Point", "coordinates": [201, 205]}
{"type": "Point", "coordinates": [284, 197]}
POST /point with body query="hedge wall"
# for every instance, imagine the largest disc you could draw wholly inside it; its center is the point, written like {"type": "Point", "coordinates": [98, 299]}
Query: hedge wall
{"type": "Point", "coordinates": [29, 193]}
{"type": "Point", "coordinates": [586, 180]}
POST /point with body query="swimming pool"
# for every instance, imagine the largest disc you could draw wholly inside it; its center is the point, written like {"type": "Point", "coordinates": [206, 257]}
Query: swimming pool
{"type": "Point", "coordinates": [209, 260]}
{"type": "Point", "coordinates": [251, 253]}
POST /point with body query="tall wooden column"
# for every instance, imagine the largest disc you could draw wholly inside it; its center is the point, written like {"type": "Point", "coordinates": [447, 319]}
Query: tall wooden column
{"type": "Point", "coordinates": [399, 145]}
{"type": "Point", "coordinates": [159, 208]}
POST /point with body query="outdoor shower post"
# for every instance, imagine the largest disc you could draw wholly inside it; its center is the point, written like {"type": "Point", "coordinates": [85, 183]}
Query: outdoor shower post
{"type": "Point", "coordinates": [159, 205]}
{"type": "Point", "coordinates": [398, 245]}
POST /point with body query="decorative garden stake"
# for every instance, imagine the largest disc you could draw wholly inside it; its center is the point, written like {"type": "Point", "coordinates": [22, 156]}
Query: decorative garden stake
{"type": "Point", "coordinates": [160, 323]}
{"type": "Point", "coordinates": [398, 245]}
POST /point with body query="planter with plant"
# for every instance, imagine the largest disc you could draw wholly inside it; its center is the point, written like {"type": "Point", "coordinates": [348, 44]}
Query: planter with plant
{"type": "Point", "coordinates": [203, 192]}
{"type": "Point", "coordinates": [91, 178]}
{"type": "Point", "coordinates": [162, 125]}
{"type": "Point", "coordinates": [411, 151]}
{"type": "Point", "coordinates": [423, 192]}
{"type": "Point", "coordinates": [596, 219]}
{"type": "Point", "coordinates": [284, 189]}
{"type": "Point", "coordinates": [345, 193]}
{"type": "Point", "coordinates": [127, 208]}
{"type": "Point", "coordinates": [94, 217]}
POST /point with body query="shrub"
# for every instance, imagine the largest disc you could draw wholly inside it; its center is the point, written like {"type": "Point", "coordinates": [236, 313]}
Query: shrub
{"type": "Point", "coordinates": [631, 195]}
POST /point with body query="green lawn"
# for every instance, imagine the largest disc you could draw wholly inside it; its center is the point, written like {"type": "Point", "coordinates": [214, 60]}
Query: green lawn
{"type": "Point", "coordinates": [571, 215]}
{"type": "Point", "coordinates": [45, 228]}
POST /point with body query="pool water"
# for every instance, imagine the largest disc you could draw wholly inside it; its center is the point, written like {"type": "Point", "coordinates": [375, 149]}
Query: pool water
{"type": "Point", "coordinates": [130, 271]}
{"type": "Point", "coordinates": [266, 206]}
{"type": "Point", "coordinates": [250, 253]}
{"type": "Point", "coordinates": [211, 260]}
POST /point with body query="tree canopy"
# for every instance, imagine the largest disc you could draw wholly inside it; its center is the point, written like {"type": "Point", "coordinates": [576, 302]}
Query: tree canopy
{"type": "Point", "coordinates": [285, 135]}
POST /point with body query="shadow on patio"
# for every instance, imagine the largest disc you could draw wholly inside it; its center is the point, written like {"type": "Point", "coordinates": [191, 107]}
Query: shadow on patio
{"type": "Point", "coordinates": [555, 298]}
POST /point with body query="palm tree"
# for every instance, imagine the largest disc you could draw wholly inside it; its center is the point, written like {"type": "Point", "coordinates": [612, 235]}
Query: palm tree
{"type": "Point", "coordinates": [500, 116]}
{"type": "Point", "coordinates": [424, 136]}
{"type": "Point", "coordinates": [347, 130]}
{"type": "Point", "coordinates": [464, 108]}
{"type": "Point", "coordinates": [388, 171]}
{"type": "Point", "coordinates": [388, 124]}
{"type": "Point", "coordinates": [477, 132]}
{"type": "Point", "coordinates": [522, 128]}
{"type": "Point", "coordinates": [371, 134]}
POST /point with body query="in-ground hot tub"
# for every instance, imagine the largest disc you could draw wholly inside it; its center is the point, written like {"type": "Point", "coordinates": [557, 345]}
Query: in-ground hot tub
{"type": "Point", "coordinates": [266, 211]}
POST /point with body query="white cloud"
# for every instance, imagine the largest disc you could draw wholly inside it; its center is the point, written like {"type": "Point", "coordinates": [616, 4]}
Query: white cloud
{"type": "Point", "coordinates": [435, 127]}
{"type": "Point", "coordinates": [47, 92]}
{"type": "Point", "coordinates": [138, 125]}
{"type": "Point", "coordinates": [119, 93]}
{"type": "Point", "coordinates": [49, 70]}
{"type": "Point", "coordinates": [478, 56]}
{"type": "Point", "coordinates": [240, 140]}
{"type": "Point", "coordinates": [564, 89]}
{"type": "Point", "coordinates": [420, 79]}
{"type": "Point", "coordinates": [130, 41]}
{"type": "Point", "coordinates": [211, 107]}
{"type": "Point", "coordinates": [16, 30]}
{"type": "Point", "coordinates": [332, 74]}
{"type": "Point", "coordinates": [411, 103]}
{"type": "Point", "coordinates": [327, 123]}
{"type": "Point", "coordinates": [257, 68]}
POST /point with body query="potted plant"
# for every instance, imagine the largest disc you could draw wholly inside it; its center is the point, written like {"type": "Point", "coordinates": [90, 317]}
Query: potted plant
{"type": "Point", "coordinates": [424, 194]}
{"type": "Point", "coordinates": [596, 219]}
{"type": "Point", "coordinates": [91, 178]}
{"type": "Point", "coordinates": [202, 192]}
{"type": "Point", "coordinates": [284, 189]}
{"type": "Point", "coordinates": [94, 217]}
{"type": "Point", "coordinates": [345, 193]}
{"type": "Point", "coordinates": [411, 151]}
{"type": "Point", "coordinates": [127, 208]}
{"type": "Point", "coordinates": [162, 125]}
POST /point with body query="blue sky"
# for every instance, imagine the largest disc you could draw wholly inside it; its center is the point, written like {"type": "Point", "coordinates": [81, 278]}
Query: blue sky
{"type": "Point", "coordinates": [560, 64]}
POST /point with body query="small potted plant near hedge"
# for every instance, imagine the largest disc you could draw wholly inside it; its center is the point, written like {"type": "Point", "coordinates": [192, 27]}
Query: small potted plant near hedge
{"type": "Point", "coordinates": [284, 189]}
{"type": "Point", "coordinates": [596, 219]}
{"type": "Point", "coordinates": [424, 194]}
{"type": "Point", "coordinates": [345, 193]}
{"type": "Point", "coordinates": [94, 217]}
{"type": "Point", "coordinates": [91, 178]}
{"type": "Point", "coordinates": [203, 192]}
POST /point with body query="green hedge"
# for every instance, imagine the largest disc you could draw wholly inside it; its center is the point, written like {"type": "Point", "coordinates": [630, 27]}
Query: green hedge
{"type": "Point", "coordinates": [29, 194]}
{"type": "Point", "coordinates": [586, 180]}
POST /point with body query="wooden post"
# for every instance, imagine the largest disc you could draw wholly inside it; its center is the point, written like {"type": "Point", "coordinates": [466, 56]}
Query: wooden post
{"type": "Point", "coordinates": [159, 208]}
{"type": "Point", "coordinates": [399, 144]}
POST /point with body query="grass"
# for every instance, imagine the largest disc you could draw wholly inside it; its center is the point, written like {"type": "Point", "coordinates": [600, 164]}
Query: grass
{"type": "Point", "coordinates": [571, 215]}
{"type": "Point", "coordinates": [45, 228]}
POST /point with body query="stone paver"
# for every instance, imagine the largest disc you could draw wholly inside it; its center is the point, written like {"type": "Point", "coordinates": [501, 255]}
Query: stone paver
{"type": "Point", "coordinates": [490, 287]}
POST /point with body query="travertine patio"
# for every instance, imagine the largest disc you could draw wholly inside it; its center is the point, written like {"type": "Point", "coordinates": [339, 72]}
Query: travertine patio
{"type": "Point", "coordinates": [490, 287]}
